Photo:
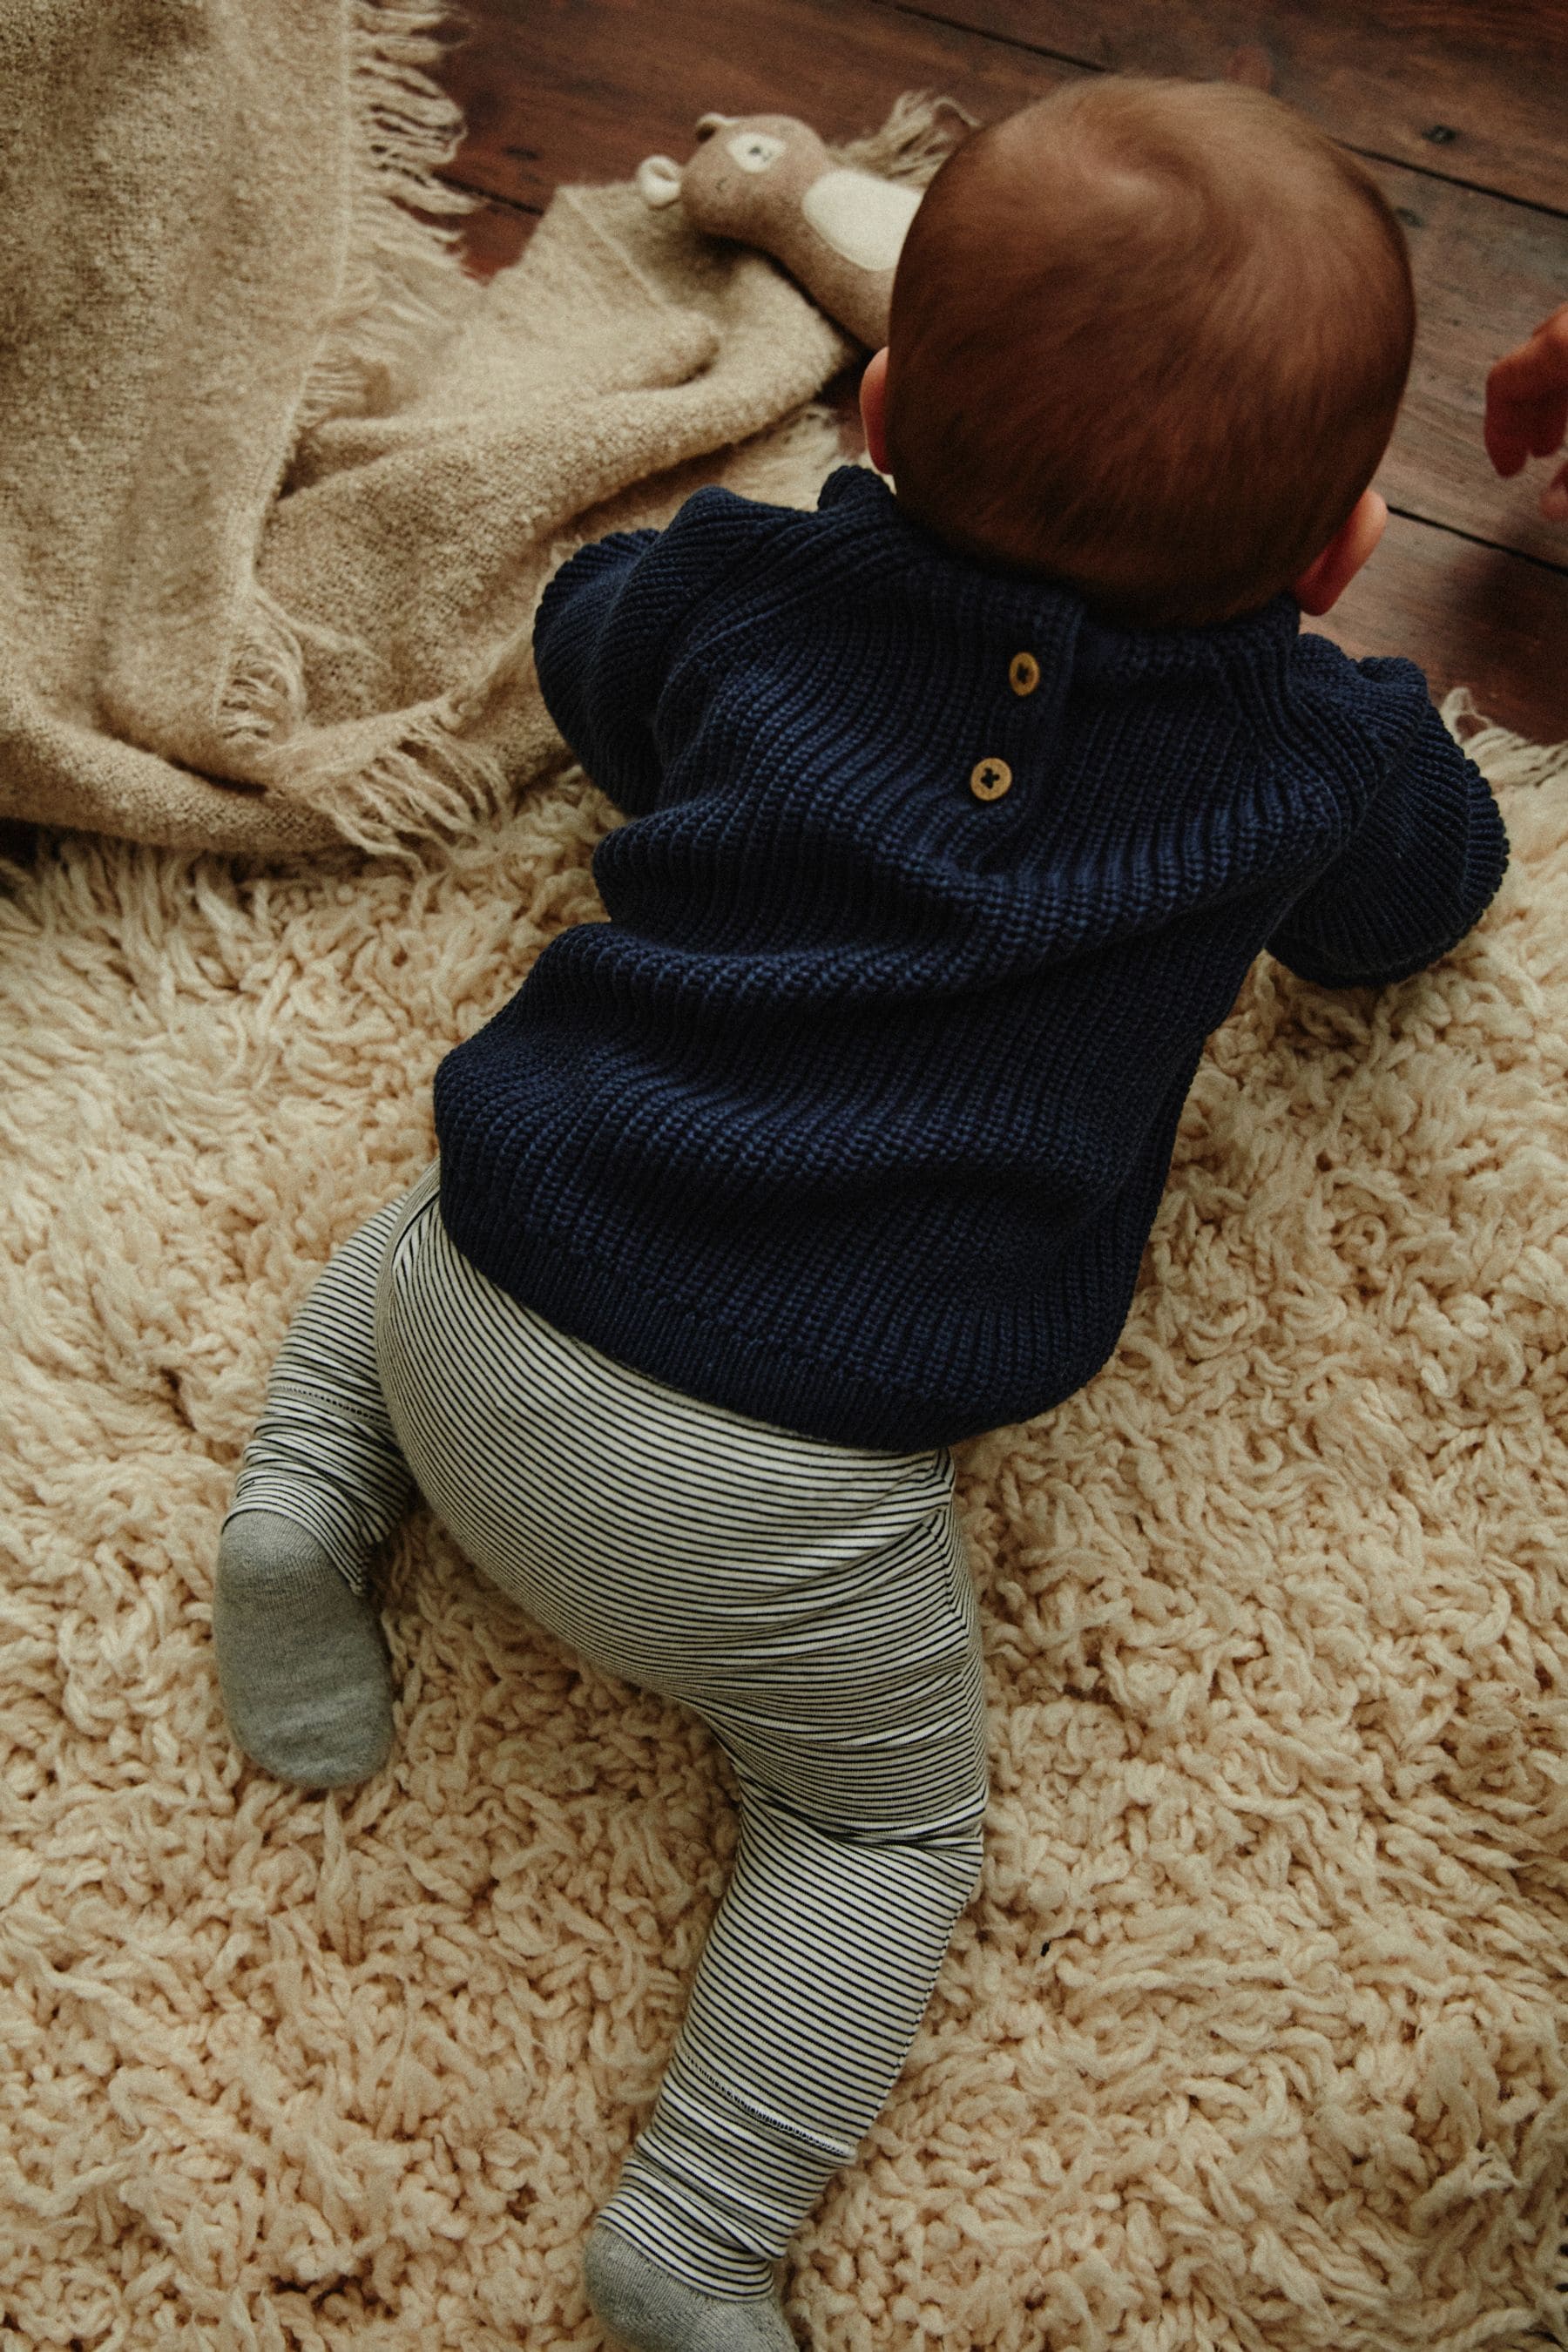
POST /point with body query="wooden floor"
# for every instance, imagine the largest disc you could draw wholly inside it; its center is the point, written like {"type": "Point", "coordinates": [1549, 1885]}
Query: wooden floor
{"type": "Point", "coordinates": [1460, 107]}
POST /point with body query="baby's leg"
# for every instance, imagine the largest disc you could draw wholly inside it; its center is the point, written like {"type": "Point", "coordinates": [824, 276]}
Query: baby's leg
{"type": "Point", "coordinates": [300, 1657]}
{"type": "Point", "coordinates": [860, 1846]}
{"type": "Point", "coordinates": [813, 1980]}
{"type": "Point", "coordinates": [813, 1604]}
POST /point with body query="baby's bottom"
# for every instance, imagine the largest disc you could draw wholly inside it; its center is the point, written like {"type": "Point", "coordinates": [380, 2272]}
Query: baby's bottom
{"type": "Point", "coordinates": [810, 1601]}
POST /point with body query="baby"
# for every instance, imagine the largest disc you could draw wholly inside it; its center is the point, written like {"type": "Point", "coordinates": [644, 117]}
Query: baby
{"type": "Point", "coordinates": [958, 811]}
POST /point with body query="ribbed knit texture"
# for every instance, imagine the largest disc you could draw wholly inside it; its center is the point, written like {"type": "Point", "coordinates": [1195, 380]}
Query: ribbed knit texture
{"type": "Point", "coordinates": [856, 1114]}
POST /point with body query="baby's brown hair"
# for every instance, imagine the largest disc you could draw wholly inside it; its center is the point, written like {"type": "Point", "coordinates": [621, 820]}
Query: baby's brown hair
{"type": "Point", "coordinates": [1150, 337]}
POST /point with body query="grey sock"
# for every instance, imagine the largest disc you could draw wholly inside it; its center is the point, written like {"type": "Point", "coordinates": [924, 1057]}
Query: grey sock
{"type": "Point", "coordinates": [648, 2309]}
{"type": "Point", "coordinates": [300, 1657]}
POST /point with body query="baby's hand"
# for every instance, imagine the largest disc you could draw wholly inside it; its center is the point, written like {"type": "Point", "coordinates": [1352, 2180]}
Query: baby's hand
{"type": "Point", "coordinates": [1527, 408]}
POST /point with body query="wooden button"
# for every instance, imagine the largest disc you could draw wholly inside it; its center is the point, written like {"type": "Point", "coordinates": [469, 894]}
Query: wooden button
{"type": "Point", "coordinates": [989, 778]}
{"type": "Point", "coordinates": [1023, 673]}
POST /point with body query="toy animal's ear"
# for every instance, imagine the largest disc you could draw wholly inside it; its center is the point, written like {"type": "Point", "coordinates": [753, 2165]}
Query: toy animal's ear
{"type": "Point", "coordinates": [659, 179]}
{"type": "Point", "coordinates": [707, 124]}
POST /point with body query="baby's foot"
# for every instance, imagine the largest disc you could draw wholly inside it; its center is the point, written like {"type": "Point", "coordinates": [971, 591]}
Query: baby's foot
{"type": "Point", "coordinates": [648, 2309]}
{"type": "Point", "coordinates": [300, 1657]}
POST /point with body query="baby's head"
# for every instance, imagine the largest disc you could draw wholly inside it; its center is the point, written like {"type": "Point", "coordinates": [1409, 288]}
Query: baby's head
{"type": "Point", "coordinates": [1149, 336]}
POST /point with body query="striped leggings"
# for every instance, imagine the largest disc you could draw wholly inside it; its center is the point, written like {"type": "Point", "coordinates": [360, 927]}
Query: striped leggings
{"type": "Point", "coordinates": [810, 1601]}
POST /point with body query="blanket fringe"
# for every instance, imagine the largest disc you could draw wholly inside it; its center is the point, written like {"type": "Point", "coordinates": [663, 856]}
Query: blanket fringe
{"type": "Point", "coordinates": [1505, 757]}
{"type": "Point", "coordinates": [426, 783]}
{"type": "Point", "coordinates": [406, 287]}
{"type": "Point", "coordinates": [404, 293]}
{"type": "Point", "coordinates": [264, 697]}
{"type": "Point", "coordinates": [914, 141]}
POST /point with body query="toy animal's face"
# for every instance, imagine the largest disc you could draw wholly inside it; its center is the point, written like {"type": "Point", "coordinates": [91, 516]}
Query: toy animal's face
{"type": "Point", "coordinates": [768, 181]}
{"type": "Point", "coordinates": [743, 165]}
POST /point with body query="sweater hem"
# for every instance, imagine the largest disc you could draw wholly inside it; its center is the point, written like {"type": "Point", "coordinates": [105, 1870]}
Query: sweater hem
{"type": "Point", "coordinates": [667, 1340]}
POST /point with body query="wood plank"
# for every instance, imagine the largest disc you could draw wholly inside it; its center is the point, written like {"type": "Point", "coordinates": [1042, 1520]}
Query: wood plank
{"type": "Point", "coordinates": [1487, 273]}
{"type": "Point", "coordinates": [586, 91]}
{"type": "Point", "coordinates": [493, 236]}
{"type": "Point", "coordinates": [1471, 615]}
{"type": "Point", "coordinates": [1473, 89]}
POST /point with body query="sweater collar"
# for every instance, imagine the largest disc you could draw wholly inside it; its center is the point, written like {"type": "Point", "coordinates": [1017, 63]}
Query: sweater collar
{"type": "Point", "coordinates": [864, 500]}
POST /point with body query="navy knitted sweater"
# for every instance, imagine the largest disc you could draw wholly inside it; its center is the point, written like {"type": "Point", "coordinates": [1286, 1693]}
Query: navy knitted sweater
{"type": "Point", "coordinates": [855, 1113]}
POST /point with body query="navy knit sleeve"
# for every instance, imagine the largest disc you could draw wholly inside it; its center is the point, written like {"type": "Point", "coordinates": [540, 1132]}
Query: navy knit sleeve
{"type": "Point", "coordinates": [1419, 870]}
{"type": "Point", "coordinates": [608, 623]}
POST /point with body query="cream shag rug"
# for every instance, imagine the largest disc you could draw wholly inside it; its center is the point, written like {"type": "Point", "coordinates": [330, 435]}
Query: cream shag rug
{"type": "Point", "coordinates": [1253, 2036]}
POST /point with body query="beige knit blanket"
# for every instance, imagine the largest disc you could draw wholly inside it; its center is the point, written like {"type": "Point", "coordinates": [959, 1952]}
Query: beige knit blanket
{"type": "Point", "coordinates": [279, 486]}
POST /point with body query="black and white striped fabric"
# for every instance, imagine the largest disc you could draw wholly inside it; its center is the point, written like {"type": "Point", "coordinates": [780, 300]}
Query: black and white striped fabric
{"type": "Point", "coordinates": [810, 1601]}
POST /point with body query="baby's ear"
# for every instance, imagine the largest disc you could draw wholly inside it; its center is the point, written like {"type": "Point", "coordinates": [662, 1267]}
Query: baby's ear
{"type": "Point", "coordinates": [874, 409]}
{"type": "Point", "coordinates": [1318, 589]}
